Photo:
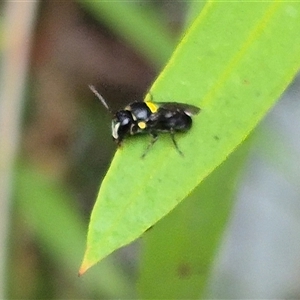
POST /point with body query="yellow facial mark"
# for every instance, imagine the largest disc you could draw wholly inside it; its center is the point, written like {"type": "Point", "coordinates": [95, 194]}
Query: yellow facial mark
{"type": "Point", "coordinates": [153, 107]}
{"type": "Point", "coordinates": [142, 125]}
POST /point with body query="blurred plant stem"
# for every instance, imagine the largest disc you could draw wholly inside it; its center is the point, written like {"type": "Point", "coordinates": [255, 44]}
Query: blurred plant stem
{"type": "Point", "coordinates": [17, 24]}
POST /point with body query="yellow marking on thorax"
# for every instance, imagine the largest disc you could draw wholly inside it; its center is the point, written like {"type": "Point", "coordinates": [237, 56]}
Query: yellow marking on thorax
{"type": "Point", "coordinates": [153, 107]}
{"type": "Point", "coordinates": [142, 125]}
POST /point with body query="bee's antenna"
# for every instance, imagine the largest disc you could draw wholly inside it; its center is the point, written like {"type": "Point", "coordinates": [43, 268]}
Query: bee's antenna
{"type": "Point", "coordinates": [98, 95]}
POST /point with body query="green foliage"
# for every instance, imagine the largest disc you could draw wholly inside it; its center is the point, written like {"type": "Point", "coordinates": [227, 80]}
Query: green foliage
{"type": "Point", "coordinates": [49, 210]}
{"type": "Point", "coordinates": [138, 24]}
{"type": "Point", "coordinates": [179, 250]}
{"type": "Point", "coordinates": [234, 62]}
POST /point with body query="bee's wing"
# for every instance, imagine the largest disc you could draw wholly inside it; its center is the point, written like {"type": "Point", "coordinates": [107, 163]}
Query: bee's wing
{"type": "Point", "coordinates": [175, 106]}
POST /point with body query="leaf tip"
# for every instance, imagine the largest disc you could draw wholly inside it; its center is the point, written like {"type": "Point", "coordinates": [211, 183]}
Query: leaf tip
{"type": "Point", "coordinates": [84, 267]}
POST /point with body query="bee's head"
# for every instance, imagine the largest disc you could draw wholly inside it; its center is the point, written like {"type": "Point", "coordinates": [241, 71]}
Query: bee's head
{"type": "Point", "coordinates": [121, 125]}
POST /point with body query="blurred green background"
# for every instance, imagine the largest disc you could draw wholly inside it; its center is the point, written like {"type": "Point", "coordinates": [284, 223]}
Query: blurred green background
{"type": "Point", "coordinates": [56, 146]}
{"type": "Point", "coordinates": [57, 142]}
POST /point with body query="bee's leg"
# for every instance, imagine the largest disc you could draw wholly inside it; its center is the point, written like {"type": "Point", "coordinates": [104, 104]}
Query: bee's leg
{"type": "Point", "coordinates": [174, 142]}
{"type": "Point", "coordinates": [154, 138]}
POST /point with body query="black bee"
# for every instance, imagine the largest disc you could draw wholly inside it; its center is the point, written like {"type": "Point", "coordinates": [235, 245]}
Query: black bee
{"type": "Point", "coordinates": [150, 117]}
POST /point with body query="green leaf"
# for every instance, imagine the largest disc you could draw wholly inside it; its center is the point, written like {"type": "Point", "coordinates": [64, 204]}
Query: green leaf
{"type": "Point", "coordinates": [234, 62]}
{"type": "Point", "coordinates": [181, 247]}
